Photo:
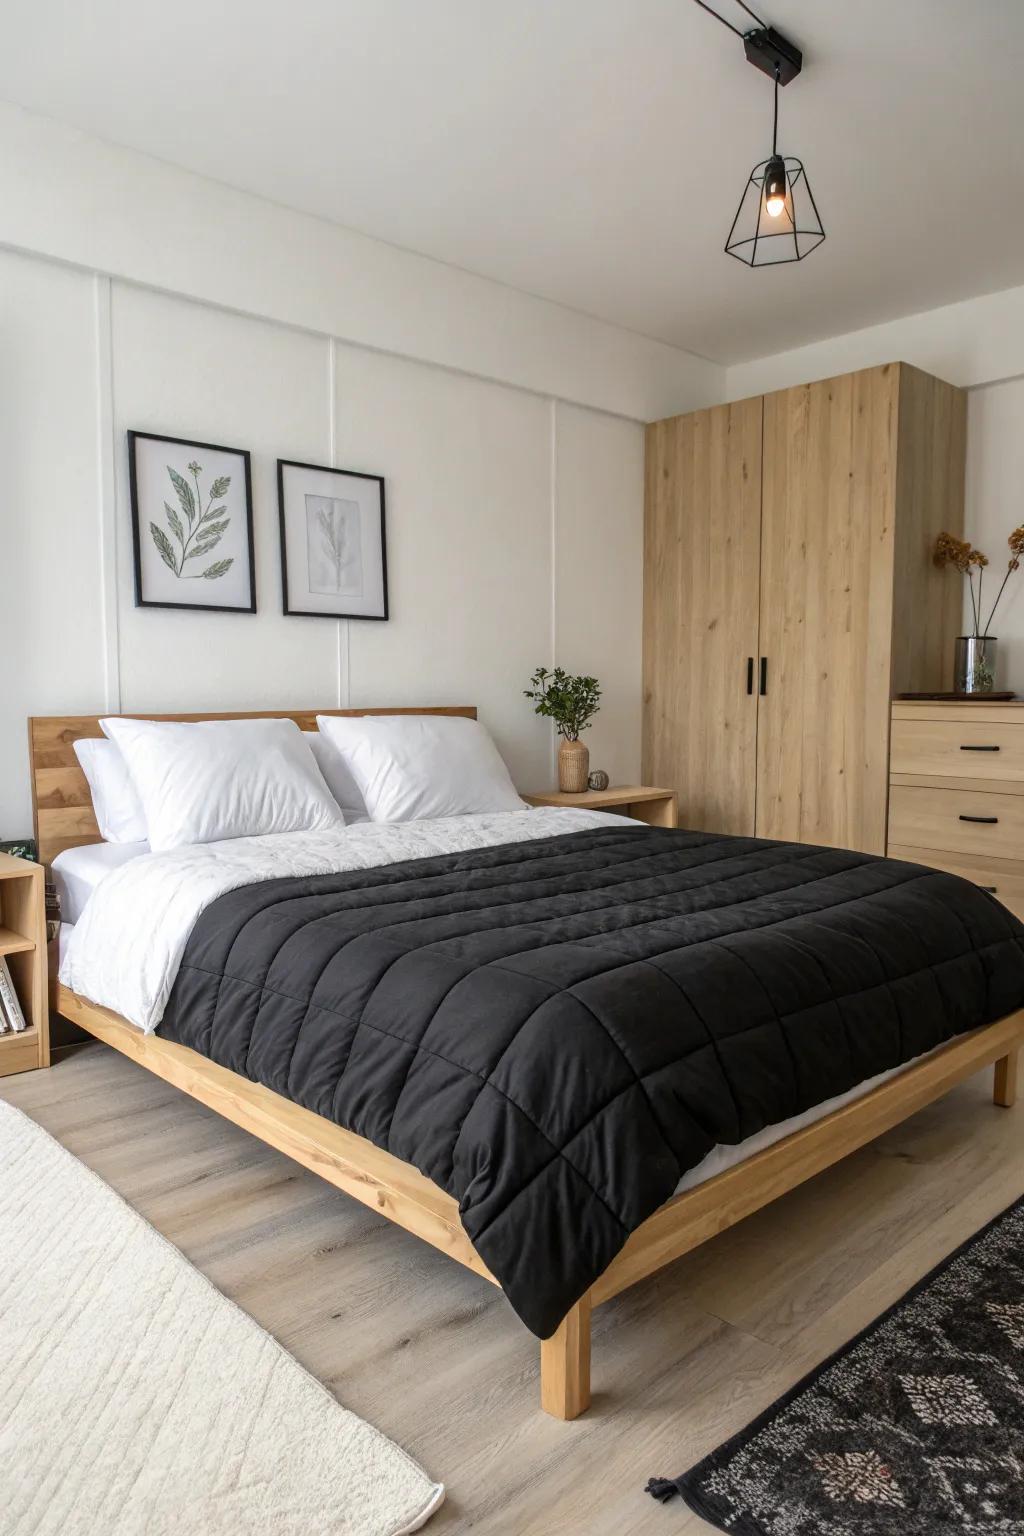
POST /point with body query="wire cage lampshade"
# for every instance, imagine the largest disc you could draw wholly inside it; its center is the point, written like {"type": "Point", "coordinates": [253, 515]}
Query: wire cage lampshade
{"type": "Point", "coordinates": [777, 219]}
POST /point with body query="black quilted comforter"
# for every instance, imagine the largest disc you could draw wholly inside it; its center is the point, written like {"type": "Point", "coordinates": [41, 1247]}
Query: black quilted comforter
{"type": "Point", "coordinates": [555, 1031]}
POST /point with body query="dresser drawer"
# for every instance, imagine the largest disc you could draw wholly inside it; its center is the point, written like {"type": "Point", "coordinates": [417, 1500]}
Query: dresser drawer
{"type": "Point", "coordinates": [957, 821]}
{"type": "Point", "coordinates": [964, 749]}
{"type": "Point", "coordinates": [1003, 877]}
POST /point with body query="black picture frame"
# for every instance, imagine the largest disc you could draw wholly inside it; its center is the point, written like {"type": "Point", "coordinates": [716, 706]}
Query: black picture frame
{"type": "Point", "coordinates": [348, 474]}
{"type": "Point", "coordinates": [141, 601]}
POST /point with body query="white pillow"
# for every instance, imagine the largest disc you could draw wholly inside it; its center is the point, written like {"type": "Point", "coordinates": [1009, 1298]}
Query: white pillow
{"type": "Point", "coordinates": [119, 813]}
{"type": "Point", "coordinates": [409, 767]}
{"type": "Point", "coordinates": [337, 776]}
{"type": "Point", "coordinates": [217, 779]}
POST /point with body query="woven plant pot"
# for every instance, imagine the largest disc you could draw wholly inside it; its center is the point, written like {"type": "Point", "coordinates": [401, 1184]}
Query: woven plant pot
{"type": "Point", "coordinates": [573, 767]}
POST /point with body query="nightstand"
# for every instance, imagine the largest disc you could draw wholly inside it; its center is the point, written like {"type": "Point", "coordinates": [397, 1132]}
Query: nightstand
{"type": "Point", "coordinates": [657, 807]}
{"type": "Point", "coordinates": [23, 945]}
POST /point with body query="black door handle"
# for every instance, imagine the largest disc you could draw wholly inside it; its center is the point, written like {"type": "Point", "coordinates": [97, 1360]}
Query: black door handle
{"type": "Point", "coordinates": [764, 676]}
{"type": "Point", "coordinates": [989, 821]}
{"type": "Point", "coordinates": [750, 674]}
{"type": "Point", "coordinates": [979, 749]}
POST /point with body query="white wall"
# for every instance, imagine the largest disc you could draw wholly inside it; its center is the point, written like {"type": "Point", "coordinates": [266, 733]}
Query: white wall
{"type": "Point", "coordinates": [995, 506]}
{"type": "Point", "coordinates": [514, 524]}
{"type": "Point", "coordinates": [76, 198]}
{"type": "Point", "coordinates": [976, 341]}
{"type": "Point", "coordinates": [507, 429]}
{"type": "Point", "coordinates": [51, 553]}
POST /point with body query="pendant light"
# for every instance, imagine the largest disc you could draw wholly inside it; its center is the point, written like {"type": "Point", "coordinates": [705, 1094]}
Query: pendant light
{"type": "Point", "coordinates": [777, 219]}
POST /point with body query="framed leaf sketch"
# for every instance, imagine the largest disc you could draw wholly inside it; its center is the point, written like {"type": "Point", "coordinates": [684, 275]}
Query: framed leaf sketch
{"type": "Point", "coordinates": [191, 524]}
{"type": "Point", "coordinates": [333, 551]}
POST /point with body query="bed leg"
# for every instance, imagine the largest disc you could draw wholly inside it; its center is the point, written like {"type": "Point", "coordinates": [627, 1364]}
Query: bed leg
{"type": "Point", "coordinates": [565, 1364]}
{"type": "Point", "coordinates": [1004, 1092]}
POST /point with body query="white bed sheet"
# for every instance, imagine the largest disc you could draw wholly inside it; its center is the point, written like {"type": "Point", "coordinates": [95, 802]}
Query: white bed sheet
{"type": "Point", "coordinates": [722, 1157]}
{"type": "Point", "coordinates": [78, 871]}
{"type": "Point", "coordinates": [63, 939]}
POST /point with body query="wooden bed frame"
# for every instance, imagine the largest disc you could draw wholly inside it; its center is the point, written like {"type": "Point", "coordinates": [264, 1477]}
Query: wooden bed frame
{"type": "Point", "coordinates": [64, 819]}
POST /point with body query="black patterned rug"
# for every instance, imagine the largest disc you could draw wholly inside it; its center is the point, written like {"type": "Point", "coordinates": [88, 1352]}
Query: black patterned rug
{"type": "Point", "coordinates": [914, 1428]}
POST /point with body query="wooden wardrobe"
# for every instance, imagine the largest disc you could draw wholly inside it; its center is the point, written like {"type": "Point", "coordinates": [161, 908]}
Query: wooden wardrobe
{"type": "Point", "coordinates": [789, 593]}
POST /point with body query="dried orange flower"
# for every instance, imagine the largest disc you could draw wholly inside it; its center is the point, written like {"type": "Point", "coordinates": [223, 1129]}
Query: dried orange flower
{"type": "Point", "coordinates": [956, 552]}
{"type": "Point", "coordinates": [959, 553]}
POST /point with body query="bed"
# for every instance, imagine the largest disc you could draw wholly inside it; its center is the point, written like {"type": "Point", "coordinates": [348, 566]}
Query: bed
{"type": "Point", "coordinates": [557, 1230]}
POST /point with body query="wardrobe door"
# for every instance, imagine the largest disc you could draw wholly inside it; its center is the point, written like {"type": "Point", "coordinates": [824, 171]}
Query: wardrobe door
{"type": "Point", "coordinates": [826, 610]}
{"type": "Point", "coordinates": [701, 559]}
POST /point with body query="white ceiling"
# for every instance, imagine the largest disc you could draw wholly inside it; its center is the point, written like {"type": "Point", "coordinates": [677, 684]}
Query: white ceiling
{"type": "Point", "coordinates": [591, 151]}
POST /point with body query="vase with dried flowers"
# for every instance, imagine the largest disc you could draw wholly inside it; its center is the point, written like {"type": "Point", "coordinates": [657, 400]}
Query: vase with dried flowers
{"type": "Point", "coordinates": [975, 661]}
{"type": "Point", "coordinates": [571, 702]}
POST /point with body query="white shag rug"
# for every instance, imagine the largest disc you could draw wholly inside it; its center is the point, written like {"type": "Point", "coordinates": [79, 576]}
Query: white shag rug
{"type": "Point", "coordinates": [135, 1398]}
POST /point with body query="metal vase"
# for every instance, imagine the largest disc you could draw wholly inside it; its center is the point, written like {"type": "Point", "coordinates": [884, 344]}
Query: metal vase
{"type": "Point", "coordinates": [974, 668]}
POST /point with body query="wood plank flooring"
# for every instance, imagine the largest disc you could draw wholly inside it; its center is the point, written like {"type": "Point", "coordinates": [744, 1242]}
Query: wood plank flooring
{"type": "Point", "coordinates": [435, 1357]}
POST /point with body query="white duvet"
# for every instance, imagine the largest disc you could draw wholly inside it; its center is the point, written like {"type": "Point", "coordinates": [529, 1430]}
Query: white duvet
{"type": "Point", "coordinates": [125, 950]}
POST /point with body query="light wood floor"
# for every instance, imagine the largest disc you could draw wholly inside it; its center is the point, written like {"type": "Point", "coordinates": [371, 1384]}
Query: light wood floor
{"type": "Point", "coordinates": [435, 1357]}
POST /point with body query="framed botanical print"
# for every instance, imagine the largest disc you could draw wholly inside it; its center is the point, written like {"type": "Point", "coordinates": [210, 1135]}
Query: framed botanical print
{"type": "Point", "coordinates": [333, 551]}
{"type": "Point", "coordinates": [191, 524]}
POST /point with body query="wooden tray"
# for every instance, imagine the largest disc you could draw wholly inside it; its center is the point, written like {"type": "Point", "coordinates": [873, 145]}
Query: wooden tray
{"type": "Point", "coordinates": [960, 698]}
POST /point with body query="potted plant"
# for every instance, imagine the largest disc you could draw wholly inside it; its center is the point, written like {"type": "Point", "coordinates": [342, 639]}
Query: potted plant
{"type": "Point", "coordinates": [571, 702]}
{"type": "Point", "coordinates": [975, 661]}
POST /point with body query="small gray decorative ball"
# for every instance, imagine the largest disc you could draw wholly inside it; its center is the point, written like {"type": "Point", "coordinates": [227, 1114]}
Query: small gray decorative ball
{"type": "Point", "coordinates": [598, 779]}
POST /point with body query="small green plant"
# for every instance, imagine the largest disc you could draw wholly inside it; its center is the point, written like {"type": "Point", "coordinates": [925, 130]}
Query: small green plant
{"type": "Point", "coordinates": [200, 532]}
{"type": "Point", "coordinates": [571, 702]}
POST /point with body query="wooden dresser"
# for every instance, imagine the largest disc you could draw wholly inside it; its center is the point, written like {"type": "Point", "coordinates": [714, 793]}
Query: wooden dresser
{"type": "Point", "coordinates": [956, 792]}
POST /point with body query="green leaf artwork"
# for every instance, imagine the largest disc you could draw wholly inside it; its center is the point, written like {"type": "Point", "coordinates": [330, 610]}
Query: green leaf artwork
{"type": "Point", "coordinates": [205, 527]}
{"type": "Point", "coordinates": [175, 522]}
{"type": "Point", "coordinates": [165, 547]}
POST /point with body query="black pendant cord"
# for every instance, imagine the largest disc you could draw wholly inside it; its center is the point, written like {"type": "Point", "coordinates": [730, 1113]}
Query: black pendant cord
{"type": "Point", "coordinates": [705, 7]}
{"type": "Point", "coordinates": [775, 119]}
{"type": "Point", "coordinates": [722, 19]}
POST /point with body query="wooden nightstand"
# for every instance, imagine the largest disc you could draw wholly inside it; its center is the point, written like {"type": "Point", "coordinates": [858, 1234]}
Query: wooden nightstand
{"type": "Point", "coordinates": [23, 944]}
{"type": "Point", "coordinates": [657, 807]}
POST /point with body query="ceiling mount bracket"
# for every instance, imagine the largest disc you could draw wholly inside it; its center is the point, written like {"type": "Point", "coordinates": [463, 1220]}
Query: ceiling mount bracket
{"type": "Point", "coordinates": [772, 53]}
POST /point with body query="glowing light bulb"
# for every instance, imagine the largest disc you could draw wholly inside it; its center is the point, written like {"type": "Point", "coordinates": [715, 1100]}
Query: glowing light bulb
{"type": "Point", "coordinates": [775, 187]}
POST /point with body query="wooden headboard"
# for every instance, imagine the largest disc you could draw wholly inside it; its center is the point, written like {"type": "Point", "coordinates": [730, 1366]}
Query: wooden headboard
{"type": "Point", "coordinates": [62, 811]}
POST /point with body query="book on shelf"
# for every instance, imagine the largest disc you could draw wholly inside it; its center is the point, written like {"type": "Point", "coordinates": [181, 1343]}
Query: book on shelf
{"type": "Point", "coordinates": [52, 911]}
{"type": "Point", "coordinates": [10, 1009]}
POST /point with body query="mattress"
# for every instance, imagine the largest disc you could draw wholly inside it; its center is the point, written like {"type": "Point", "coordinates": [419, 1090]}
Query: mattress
{"type": "Point", "coordinates": [723, 1157]}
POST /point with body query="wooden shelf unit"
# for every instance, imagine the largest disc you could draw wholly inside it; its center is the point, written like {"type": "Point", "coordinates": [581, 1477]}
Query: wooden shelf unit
{"type": "Point", "coordinates": [23, 944]}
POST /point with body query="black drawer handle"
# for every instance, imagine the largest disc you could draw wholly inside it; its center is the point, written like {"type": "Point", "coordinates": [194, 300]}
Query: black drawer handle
{"type": "Point", "coordinates": [979, 749]}
{"type": "Point", "coordinates": [764, 676]}
{"type": "Point", "coordinates": [992, 889]}
{"type": "Point", "coordinates": [988, 821]}
{"type": "Point", "coordinates": [750, 674]}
